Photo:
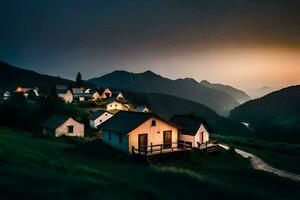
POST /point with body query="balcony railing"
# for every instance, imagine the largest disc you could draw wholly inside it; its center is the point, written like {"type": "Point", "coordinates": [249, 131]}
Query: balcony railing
{"type": "Point", "coordinates": [161, 148]}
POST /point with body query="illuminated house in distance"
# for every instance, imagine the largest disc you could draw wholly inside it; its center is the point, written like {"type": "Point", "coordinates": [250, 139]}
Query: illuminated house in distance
{"type": "Point", "coordinates": [63, 125]}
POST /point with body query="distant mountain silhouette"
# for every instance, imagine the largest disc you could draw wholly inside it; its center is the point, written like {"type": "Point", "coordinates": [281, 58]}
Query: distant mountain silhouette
{"type": "Point", "coordinates": [149, 82]}
{"type": "Point", "coordinates": [12, 77]}
{"type": "Point", "coordinates": [239, 95]}
{"type": "Point", "coordinates": [167, 105]}
{"type": "Point", "coordinates": [275, 116]}
{"type": "Point", "coordinates": [260, 92]}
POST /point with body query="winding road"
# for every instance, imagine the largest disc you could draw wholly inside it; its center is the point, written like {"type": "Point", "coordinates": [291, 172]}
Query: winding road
{"type": "Point", "coordinates": [259, 164]}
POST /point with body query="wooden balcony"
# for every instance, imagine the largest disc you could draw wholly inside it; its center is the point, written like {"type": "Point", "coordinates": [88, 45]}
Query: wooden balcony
{"type": "Point", "coordinates": [158, 149]}
{"type": "Point", "coordinates": [209, 147]}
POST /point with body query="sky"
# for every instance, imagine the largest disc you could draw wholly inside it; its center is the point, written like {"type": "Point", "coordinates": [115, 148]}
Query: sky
{"type": "Point", "coordinates": [244, 43]}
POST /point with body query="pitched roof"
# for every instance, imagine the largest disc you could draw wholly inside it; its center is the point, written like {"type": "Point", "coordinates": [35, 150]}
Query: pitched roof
{"type": "Point", "coordinates": [55, 121]}
{"type": "Point", "coordinates": [140, 108]}
{"type": "Point", "coordinates": [60, 87]}
{"type": "Point", "coordinates": [88, 95]}
{"type": "Point", "coordinates": [189, 124]}
{"type": "Point", "coordinates": [62, 91]}
{"type": "Point", "coordinates": [97, 114]}
{"type": "Point", "coordinates": [125, 121]}
{"type": "Point", "coordinates": [77, 90]}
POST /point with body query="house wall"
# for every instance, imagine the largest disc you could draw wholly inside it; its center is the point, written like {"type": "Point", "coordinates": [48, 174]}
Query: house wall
{"type": "Point", "coordinates": [96, 96]}
{"type": "Point", "coordinates": [103, 96]}
{"type": "Point", "coordinates": [105, 116]}
{"type": "Point", "coordinates": [116, 106]}
{"type": "Point", "coordinates": [81, 98]}
{"type": "Point", "coordinates": [205, 134]}
{"type": "Point", "coordinates": [120, 95]}
{"type": "Point", "coordinates": [197, 138]}
{"type": "Point", "coordinates": [187, 138]}
{"type": "Point", "coordinates": [68, 97]}
{"type": "Point", "coordinates": [155, 133]}
{"type": "Point", "coordinates": [63, 129]}
{"type": "Point", "coordinates": [114, 141]}
{"type": "Point", "coordinates": [145, 109]}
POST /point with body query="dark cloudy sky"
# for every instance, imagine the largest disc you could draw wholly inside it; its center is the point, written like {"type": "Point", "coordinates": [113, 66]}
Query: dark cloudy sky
{"type": "Point", "coordinates": [246, 43]}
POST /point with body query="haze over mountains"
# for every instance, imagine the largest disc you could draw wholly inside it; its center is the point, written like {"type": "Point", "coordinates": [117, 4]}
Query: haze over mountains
{"type": "Point", "coordinates": [239, 95]}
{"type": "Point", "coordinates": [262, 91]}
{"type": "Point", "coordinates": [214, 97]}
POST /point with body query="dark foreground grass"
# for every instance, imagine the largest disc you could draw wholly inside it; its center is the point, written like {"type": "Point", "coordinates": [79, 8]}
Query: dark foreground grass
{"type": "Point", "coordinates": [33, 168]}
{"type": "Point", "coordinates": [281, 155]}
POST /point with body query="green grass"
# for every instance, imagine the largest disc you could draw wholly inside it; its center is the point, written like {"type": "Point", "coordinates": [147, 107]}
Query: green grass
{"type": "Point", "coordinates": [281, 155]}
{"type": "Point", "coordinates": [33, 168]}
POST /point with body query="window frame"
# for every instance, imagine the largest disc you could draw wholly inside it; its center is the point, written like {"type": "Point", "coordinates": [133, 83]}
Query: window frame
{"type": "Point", "coordinates": [153, 123]}
{"type": "Point", "coordinates": [70, 127]}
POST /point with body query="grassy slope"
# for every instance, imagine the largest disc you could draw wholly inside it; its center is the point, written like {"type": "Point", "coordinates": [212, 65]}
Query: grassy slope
{"type": "Point", "coordinates": [38, 168]}
{"type": "Point", "coordinates": [281, 155]}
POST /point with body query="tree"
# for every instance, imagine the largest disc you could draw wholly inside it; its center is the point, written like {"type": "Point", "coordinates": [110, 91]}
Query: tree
{"type": "Point", "coordinates": [78, 80]}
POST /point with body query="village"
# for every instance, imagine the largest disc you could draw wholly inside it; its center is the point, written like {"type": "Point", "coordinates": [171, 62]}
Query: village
{"type": "Point", "coordinates": [132, 129]}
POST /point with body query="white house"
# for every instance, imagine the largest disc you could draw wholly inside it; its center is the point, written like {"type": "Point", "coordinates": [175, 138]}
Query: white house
{"type": "Point", "coordinates": [120, 95]}
{"type": "Point", "coordinates": [99, 117]}
{"type": "Point", "coordinates": [106, 93]}
{"type": "Point", "coordinates": [65, 94]}
{"type": "Point", "coordinates": [6, 95]}
{"type": "Point", "coordinates": [87, 90]}
{"type": "Point", "coordinates": [193, 130]}
{"type": "Point", "coordinates": [133, 131]}
{"type": "Point", "coordinates": [116, 105]}
{"type": "Point", "coordinates": [96, 96]}
{"type": "Point", "coordinates": [63, 125]}
{"type": "Point", "coordinates": [141, 109]}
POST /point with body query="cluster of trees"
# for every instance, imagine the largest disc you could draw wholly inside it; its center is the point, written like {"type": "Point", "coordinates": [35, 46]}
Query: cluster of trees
{"type": "Point", "coordinates": [29, 114]}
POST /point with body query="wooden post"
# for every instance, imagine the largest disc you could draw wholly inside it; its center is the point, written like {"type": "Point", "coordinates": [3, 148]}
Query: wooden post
{"type": "Point", "coordinates": [139, 150]}
{"type": "Point", "coordinates": [151, 149]}
{"type": "Point", "coordinates": [161, 148]}
{"type": "Point", "coordinates": [183, 145]}
{"type": "Point", "coordinates": [145, 149]}
{"type": "Point", "coordinates": [132, 151]}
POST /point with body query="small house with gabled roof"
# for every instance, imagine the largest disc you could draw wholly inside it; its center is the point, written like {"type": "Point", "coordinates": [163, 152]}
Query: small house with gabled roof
{"type": "Point", "coordinates": [117, 105]}
{"type": "Point", "coordinates": [141, 109]}
{"type": "Point", "coordinates": [105, 93]}
{"type": "Point", "coordinates": [146, 133]}
{"type": "Point", "coordinates": [99, 117]}
{"type": "Point", "coordinates": [193, 130]}
{"type": "Point", "coordinates": [63, 125]}
{"type": "Point", "coordinates": [65, 94]}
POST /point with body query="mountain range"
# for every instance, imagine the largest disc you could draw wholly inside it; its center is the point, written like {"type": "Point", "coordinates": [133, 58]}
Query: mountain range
{"type": "Point", "coordinates": [217, 97]}
{"type": "Point", "coordinates": [11, 77]}
{"type": "Point", "coordinates": [275, 116]}
{"type": "Point", "coordinates": [167, 105]}
{"type": "Point", "coordinates": [237, 94]}
{"type": "Point", "coordinates": [262, 91]}
{"type": "Point", "coordinates": [163, 104]}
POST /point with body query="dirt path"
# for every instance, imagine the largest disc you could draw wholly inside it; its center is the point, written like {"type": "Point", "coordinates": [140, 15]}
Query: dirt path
{"type": "Point", "coordinates": [259, 164]}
